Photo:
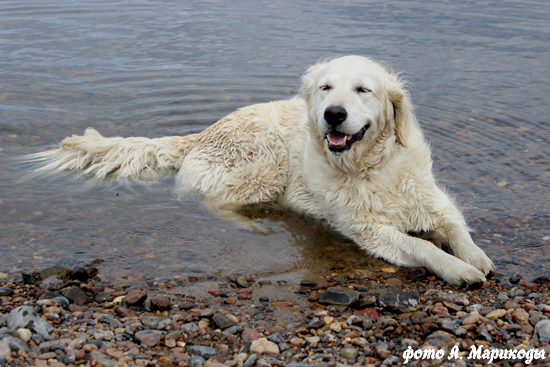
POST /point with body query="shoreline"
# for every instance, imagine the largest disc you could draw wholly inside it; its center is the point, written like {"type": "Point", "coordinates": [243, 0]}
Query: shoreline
{"type": "Point", "coordinates": [356, 317]}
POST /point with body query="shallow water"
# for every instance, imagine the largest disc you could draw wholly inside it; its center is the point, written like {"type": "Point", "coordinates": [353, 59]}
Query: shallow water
{"type": "Point", "coordinates": [478, 73]}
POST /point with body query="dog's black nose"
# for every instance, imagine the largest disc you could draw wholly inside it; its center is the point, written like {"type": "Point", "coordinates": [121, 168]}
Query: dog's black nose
{"type": "Point", "coordinates": [335, 115]}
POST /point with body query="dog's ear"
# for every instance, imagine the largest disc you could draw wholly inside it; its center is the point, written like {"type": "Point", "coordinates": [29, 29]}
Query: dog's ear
{"type": "Point", "coordinates": [400, 110]}
{"type": "Point", "coordinates": [308, 81]}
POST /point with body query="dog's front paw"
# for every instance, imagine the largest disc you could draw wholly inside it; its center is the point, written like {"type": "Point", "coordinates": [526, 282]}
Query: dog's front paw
{"type": "Point", "coordinates": [460, 273]}
{"type": "Point", "coordinates": [477, 258]}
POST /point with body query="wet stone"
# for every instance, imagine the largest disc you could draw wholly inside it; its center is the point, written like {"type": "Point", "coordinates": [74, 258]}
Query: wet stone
{"type": "Point", "coordinates": [339, 296]}
{"type": "Point", "coordinates": [103, 297]}
{"type": "Point", "coordinates": [30, 276]}
{"type": "Point", "coordinates": [59, 271]}
{"type": "Point", "coordinates": [135, 297]}
{"type": "Point", "coordinates": [51, 284]}
{"type": "Point", "coordinates": [395, 298]}
{"type": "Point", "coordinates": [5, 291]}
{"type": "Point", "coordinates": [161, 303]}
{"type": "Point", "coordinates": [77, 296]}
{"type": "Point", "coordinates": [222, 322]}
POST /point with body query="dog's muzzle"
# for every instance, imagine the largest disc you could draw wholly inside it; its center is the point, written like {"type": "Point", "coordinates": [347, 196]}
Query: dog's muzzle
{"type": "Point", "coordinates": [339, 142]}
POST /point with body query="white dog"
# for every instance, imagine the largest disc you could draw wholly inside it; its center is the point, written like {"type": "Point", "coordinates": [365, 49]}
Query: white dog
{"type": "Point", "coordinates": [348, 151]}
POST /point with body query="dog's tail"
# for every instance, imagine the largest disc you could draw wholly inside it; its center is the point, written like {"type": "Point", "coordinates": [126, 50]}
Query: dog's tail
{"type": "Point", "coordinates": [122, 159]}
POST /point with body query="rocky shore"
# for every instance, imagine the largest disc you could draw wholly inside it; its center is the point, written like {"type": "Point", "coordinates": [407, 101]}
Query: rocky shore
{"type": "Point", "coordinates": [76, 317]}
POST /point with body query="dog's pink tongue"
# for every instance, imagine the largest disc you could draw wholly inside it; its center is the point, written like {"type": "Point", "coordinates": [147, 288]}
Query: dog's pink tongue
{"type": "Point", "coordinates": [336, 138]}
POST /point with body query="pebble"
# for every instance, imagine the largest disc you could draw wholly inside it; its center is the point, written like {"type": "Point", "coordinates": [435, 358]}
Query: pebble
{"type": "Point", "coordinates": [339, 296]}
{"type": "Point", "coordinates": [5, 291]}
{"type": "Point", "coordinates": [59, 271]}
{"type": "Point", "coordinates": [264, 346]}
{"type": "Point", "coordinates": [439, 338]}
{"type": "Point", "coordinates": [249, 335]}
{"type": "Point", "coordinates": [27, 317]}
{"type": "Point", "coordinates": [395, 298]}
{"type": "Point", "coordinates": [5, 350]}
{"type": "Point", "coordinates": [77, 296]}
{"type": "Point", "coordinates": [51, 284]}
{"type": "Point", "coordinates": [161, 303]}
{"type": "Point", "coordinates": [205, 352]}
{"type": "Point", "coordinates": [349, 353]}
{"type": "Point", "coordinates": [135, 297]}
{"type": "Point", "coordinates": [542, 328]}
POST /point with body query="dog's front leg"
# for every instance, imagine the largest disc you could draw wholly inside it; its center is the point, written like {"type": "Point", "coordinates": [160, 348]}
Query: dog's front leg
{"type": "Point", "coordinates": [455, 234]}
{"type": "Point", "coordinates": [402, 249]}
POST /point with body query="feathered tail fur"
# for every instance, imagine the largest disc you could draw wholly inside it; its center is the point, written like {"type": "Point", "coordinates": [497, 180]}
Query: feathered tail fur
{"type": "Point", "coordinates": [122, 159]}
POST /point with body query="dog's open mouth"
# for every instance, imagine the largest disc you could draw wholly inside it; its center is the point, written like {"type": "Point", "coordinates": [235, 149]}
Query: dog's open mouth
{"type": "Point", "coordinates": [339, 142]}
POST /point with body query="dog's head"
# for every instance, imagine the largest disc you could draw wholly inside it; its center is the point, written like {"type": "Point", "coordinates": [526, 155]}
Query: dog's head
{"type": "Point", "coordinates": [352, 100]}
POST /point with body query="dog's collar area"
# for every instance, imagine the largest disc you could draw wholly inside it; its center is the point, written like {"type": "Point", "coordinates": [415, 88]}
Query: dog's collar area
{"type": "Point", "coordinates": [339, 142]}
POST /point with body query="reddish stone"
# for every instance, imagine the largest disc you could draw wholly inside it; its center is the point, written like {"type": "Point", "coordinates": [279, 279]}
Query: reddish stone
{"type": "Point", "coordinates": [439, 310]}
{"type": "Point", "coordinates": [135, 297]}
{"type": "Point", "coordinates": [532, 286]}
{"type": "Point", "coordinates": [249, 335]}
{"type": "Point", "coordinates": [79, 354]}
{"type": "Point", "coordinates": [244, 296]}
{"type": "Point", "coordinates": [395, 282]}
{"type": "Point", "coordinates": [214, 291]}
{"type": "Point", "coordinates": [282, 304]}
{"type": "Point", "coordinates": [368, 312]}
{"type": "Point", "coordinates": [230, 301]}
{"type": "Point", "coordinates": [124, 312]}
{"type": "Point", "coordinates": [245, 291]}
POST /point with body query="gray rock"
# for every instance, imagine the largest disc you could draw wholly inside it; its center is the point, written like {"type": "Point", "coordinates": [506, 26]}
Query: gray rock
{"type": "Point", "coordinates": [222, 322]}
{"type": "Point", "coordinates": [5, 291]}
{"type": "Point", "coordinates": [439, 338]}
{"type": "Point", "coordinates": [395, 298]}
{"type": "Point", "coordinates": [349, 353]}
{"type": "Point", "coordinates": [190, 328]}
{"type": "Point", "coordinates": [205, 352]}
{"type": "Point", "coordinates": [542, 328]}
{"type": "Point", "coordinates": [339, 296]}
{"type": "Point", "coordinates": [51, 284]}
{"type": "Point", "coordinates": [515, 293]}
{"type": "Point", "coordinates": [250, 361]}
{"type": "Point", "coordinates": [30, 276]}
{"type": "Point", "coordinates": [503, 297]}
{"type": "Point", "coordinates": [27, 317]}
{"type": "Point", "coordinates": [276, 338]}
{"type": "Point", "coordinates": [14, 343]}
{"type": "Point", "coordinates": [196, 361]}
{"type": "Point", "coordinates": [77, 296]}
{"type": "Point", "coordinates": [453, 298]}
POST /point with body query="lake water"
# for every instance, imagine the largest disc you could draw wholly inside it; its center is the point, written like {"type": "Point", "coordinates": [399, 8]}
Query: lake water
{"type": "Point", "coordinates": [478, 72]}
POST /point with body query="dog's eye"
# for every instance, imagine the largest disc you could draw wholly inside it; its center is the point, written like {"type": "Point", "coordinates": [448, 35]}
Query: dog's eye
{"type": "Point", "coordinates": [362, 90]}
{"type": "Point", "coordinates": [325, 87]}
